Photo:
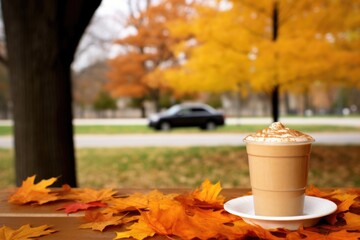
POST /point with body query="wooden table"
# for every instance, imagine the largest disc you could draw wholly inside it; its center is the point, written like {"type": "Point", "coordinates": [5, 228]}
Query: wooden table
{"type": "Point", "coordinates": [15, 216]}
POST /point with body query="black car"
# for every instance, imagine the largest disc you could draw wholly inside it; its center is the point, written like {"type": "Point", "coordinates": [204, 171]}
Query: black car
{"type": "Point", "coordinates": [187, 115]}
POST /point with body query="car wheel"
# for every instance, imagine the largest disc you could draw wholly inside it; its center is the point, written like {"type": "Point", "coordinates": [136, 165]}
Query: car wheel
{"type": "Point", "coordinates": [165, 126]}
{"type": "Point", "coordinates": [210, 125]}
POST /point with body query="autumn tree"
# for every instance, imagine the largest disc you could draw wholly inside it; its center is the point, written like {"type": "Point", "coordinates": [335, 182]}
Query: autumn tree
{"type": "Point", "coordinates": [268, 46]}
{"type": "Point", "coordinates": [41, 38]}
{"type": "Point", "coordinates": [136, 73]}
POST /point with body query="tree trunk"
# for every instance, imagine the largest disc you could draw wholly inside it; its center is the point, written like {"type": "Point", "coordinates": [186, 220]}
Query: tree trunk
{"type": "Point", "coordinates": [275, 103]}
{"type": "Point", "coordinates": [275, 90]}
{"type": "Point", "coordinates": [142, 109]}
{"type": "Point", "coordinates": [42, 37]}
{"type": "Point", "coordinates": [156, 98]}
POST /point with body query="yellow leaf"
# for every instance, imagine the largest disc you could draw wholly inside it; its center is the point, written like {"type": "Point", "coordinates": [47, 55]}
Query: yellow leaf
{"type": "Point", "coordinates": [98, 221]}
{"type": "Point", "coordinates": [24, 232]}
{"type": "Point", "coordinates": [87, 195]}
{"type": "Point", "coordinates": [34, 193]}
{"type": "Point", "coordinates": [136, 201]}
{"type": "Point", "coordinates": [207, 196]}
{"type": "Point", "coordinates": [139, 230]}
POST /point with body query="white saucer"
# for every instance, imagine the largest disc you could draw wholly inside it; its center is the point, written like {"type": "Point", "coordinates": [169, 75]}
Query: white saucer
{"type": "Point", "coordinates": [314, 209]}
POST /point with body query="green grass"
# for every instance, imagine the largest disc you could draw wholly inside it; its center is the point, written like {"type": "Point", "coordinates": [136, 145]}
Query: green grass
{"type": "Point", "coordinates": [331, 166]}
{"type": "Point", "coordinates": [128, 129]}
{"type": "Point", "coordinates": [7, 172]}
{"type": "Point", "coordinates": [6, 130]}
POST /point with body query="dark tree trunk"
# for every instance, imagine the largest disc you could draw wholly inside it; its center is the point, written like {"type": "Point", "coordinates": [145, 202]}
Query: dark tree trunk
{"type": "Point", "coordinates": [156, 99]}
{"type": "Point", "coordinates": [275, 90]}
{"type": "Point", "coordinates": [275, 103]}
{"type": "Point", "coordinates": [143, 109]}
{"type": "Point", "coordinates": [42, 36]}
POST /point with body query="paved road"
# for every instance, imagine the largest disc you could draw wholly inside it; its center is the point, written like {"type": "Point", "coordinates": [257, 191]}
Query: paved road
{"type": "Point", "coordinates": [344, 121]}
{"type": "Point", "coordinates": [204, 139]}
{"type": "Point", "coordinates": [170, 139]}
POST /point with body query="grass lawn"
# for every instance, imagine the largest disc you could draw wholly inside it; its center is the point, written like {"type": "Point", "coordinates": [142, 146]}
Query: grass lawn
{"type": "Point", "coordinates": [119, 129]}
{"type": "Point", "coordinates": [331, 166]}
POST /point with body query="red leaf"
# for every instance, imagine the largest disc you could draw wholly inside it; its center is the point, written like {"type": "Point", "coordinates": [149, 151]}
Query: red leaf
{"type": "Point", "coordinates": [77, 206]}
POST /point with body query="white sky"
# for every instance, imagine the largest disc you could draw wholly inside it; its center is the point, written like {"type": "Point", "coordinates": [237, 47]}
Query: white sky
{"type": "Point", "coordinates": [109, 7]}
{"type": "Point", "coordinates": [107, 23]}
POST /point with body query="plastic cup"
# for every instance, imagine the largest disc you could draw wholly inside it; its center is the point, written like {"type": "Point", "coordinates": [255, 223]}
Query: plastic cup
{"type": "Point", "coordinates": [278, 176]}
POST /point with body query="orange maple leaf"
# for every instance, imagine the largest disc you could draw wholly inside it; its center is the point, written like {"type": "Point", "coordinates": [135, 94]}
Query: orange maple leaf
{"type": "Point", "coordinates": [172, 216]}
{"type": "Point", "coordinates": [210, 224]}
{"type": "Point", "coordinates": [352, 221]}
{"type": "Point", "coordinates": [24, 232]}
{"type": "Point", "coordinates": [138, 230]}
{"type": "Point", "coordinates": [347, 201]}
{"type": "Point", "coordinates": [136, 201]}
{"type": "Point", "coordinates": [207, 196]}
{"type": "Point", "coordinates": [99, 221]}
{"type": "Point", "coordinates": [209, 192]}
{"type": "Point", "coordinates": [163, 216]}
{"type": "Point", "coordinates": [34, 193]}
{"type": "Point", "coordinates": [344, 200]}
{"type": "Point", "coordinates": [339, 235]}
{"type": "Point", "coordinates": [87, 195]}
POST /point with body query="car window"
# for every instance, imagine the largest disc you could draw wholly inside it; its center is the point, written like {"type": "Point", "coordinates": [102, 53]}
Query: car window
{"type": "Point", "coordinates": [173, 110]}
{"type": "Point", "coordinates": [199, 110]}
{"type": "Point", "coordinates": [184, 111]}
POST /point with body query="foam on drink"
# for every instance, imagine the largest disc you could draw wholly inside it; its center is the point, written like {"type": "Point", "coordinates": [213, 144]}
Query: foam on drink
{"type": "Point", "coordinates": [278, 133]}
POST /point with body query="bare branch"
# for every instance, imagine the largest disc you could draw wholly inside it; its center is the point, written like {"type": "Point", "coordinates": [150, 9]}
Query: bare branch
{"type": "Point", "coordinates": [289, 13]}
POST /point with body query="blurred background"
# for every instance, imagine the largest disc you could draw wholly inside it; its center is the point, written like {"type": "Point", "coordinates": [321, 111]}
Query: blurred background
{"type": "Point", "coordinates": [136, 57]}
{"type": "Point", "coordinates": [254, 61]}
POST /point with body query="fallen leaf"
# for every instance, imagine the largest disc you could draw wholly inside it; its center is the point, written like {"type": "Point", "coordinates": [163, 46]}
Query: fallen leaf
{"type": "Point", "coordinates": [346, 204]}
{"type": "Point", "coordinates": [136, 201]}
{"type": "Point", "coordinates": [34, 193]}
{"type": "Point", "coordinates": [207, 196]}
{"type": "Point", "coordinates": [138, 230]}
{"type": "Point", "coordinates": [352, 221]}
{"type": "Point", "coordinates": [99, 221]}
{"type": "Point", "coordinates": [77, 206]}
{"type": "Point", "coordinates": [339, 235]}
{"type": "Point", "coordinates": [24, 232]}
{"type": "Point", "coordinates": [342, 207]}
{"type": "Point", "coordinates": [316, 192]}
{"type": "Point", "coordinates": [163, 215]}
{"type": "Point", "coordinates": [87, 195]}
{"type": "Point", "coordinates": [195, 215]}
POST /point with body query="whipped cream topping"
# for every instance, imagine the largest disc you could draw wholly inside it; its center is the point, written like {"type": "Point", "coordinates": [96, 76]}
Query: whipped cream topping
{"type": "Point", "coordinates": [278, 133]}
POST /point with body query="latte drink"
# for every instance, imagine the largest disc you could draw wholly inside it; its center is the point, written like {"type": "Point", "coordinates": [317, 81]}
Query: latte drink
{"type": "Point", "coordinates": [278, 163]}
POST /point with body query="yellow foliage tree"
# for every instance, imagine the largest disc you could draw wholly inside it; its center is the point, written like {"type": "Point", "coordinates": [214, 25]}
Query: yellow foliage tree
{"type": "Point", "coordinates": [264, 45]}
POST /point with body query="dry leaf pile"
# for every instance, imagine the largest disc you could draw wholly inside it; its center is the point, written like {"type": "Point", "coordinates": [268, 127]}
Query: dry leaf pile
{"type": "Point", "coordinates": [195, 215]}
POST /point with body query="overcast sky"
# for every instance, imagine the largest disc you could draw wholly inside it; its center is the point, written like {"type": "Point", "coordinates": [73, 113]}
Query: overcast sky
{"type": "Point", "coordinates": [111, 6]}
{"type": "Point", "coordinates": [107, 24]}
